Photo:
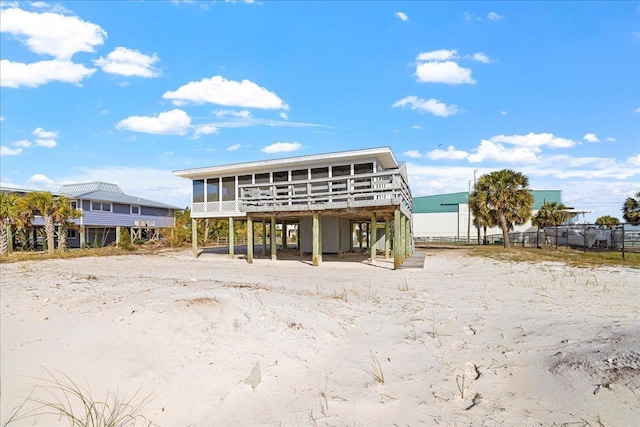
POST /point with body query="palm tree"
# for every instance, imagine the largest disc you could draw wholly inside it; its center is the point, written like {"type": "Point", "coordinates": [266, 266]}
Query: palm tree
{"type": "Point", "coordinates": [549, 215]}
{"type": "Point", "coordinates": [607, 221]}
{"type": "Point", "coordinates": [41, 203]}
{"type": "Point", "coordinates": [62, 214]}
{"type": "Point", "coordinates": [480, 210]}
{"type": "Point", "coordinates": [9, 214]}
{"type": "Point", "coordinates": [506, 194]}
{"type": "Point", "coordinates": [631, 210]}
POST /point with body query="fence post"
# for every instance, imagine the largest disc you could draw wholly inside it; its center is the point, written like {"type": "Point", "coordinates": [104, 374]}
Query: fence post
{"type": "Point", "coordinates": [584, 229]}
{"type": "Point", "coordinates": [557, 238]}
{"type": "Point", "coordinates": [623, 241]}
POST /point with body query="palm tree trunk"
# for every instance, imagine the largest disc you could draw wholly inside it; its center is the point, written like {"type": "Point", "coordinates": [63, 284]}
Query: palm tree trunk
{"type": "Point", "coordinates": [4, 241]}
{"type": "Point", "coordinates": [502, 219]}
{"type": "Point", "coordinates": [50, 229]}
{"type": "Point", "coordinates": [62, 239]}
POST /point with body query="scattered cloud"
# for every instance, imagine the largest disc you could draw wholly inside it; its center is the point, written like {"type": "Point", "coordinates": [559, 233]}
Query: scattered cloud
{"type": "Point", "coordinates": [128, 62]}
{"type": "Point", "coordinates": [467, 16]}
{"type": "Point", "coordinates": [494, 16]}
{"type": "Point", "coordinates": [41, 180]}
{"type": "Point", "coordinates": [611, 139]}
{"type": "Point", "coordinates": [415, 154]}
{"type": "Point", "coordinates": [591, 137]}
{"type": "Point", "coordinates": [491, 151]}
{"type": "Point", "coordinates": [638, 110]}
{"type": "Point", "coordinates": [174, 122]}
{"type": "Point", "coordinates": [481, 57]}
{"type": "Point", "coordinates": [403, 16]}
{"type": "Point", "coordinates": [432, 106]}
{"type": "Point", "coordinates": [417, 127]}
{"type": "Point", "coordinates": [282, 147]}
{"type": "Point", "coordinates": [2, 118]}
{"type": "Point", "coordinates": [58, 8]}
{"type": "Point", "coordinates": [535, 140]}
{"type": "Point", "coordinates": [218, 90]}
{"type": "Point", "coordinates": [504, 113]}
{"type": "Point", "coordinates": [239, 122]}
{"type": "Point", "coordinates": [50, 33]}
{"type": "Point", "coordinates": [449, 154]}
{"type": "Point", "coordinates": [6, 151]}
{"type": "Point", "coordinates": [284, 116]}
{"type": "Point", "coordinates": [233, 147]}
{"type": "Point", "coordinates": [45, 138]}
{"type": "Point", "coordinates": [438, 67]}
{"type": "Point", "coordinates": [233, 113]}
{"type": "Point", "coordinates": [205, 130]}
{"type": "Point", "coordinates": [17, 74]}
{"type": "Point", "coordinates": [634, 160]}
{"type": "Point", "coordinates": [22, 143]}
{"type": "Point", "coordinates": [438, 55]}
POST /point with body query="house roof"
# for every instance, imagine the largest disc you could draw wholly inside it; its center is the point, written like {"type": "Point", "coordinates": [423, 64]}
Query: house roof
{"type": "Point", "coordinates": [383, 155]}
{"type": "Point", "coordinates": [107, 192]}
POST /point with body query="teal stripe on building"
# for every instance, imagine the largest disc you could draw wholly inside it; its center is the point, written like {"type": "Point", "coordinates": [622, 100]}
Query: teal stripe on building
{"type": "Point", "coordinates": [449, 202]}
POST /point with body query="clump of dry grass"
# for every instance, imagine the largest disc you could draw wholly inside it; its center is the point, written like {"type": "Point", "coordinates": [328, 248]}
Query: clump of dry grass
{"type": "Point", "coordinates": [61, 397]}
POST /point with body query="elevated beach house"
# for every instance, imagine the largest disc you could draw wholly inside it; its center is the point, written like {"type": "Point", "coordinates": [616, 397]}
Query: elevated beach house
{"type": "Point", "coordinates": [326, 196]}
{"type": "Point", "coordinates": [105, 208]}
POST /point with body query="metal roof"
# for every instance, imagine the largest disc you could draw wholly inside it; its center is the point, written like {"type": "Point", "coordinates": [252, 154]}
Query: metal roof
{"type": "Point", "coordinates": [107, 192]}
{"type": "Point", "coordinates": [383, 155]}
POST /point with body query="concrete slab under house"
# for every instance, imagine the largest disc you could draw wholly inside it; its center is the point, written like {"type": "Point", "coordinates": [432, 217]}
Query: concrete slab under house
{"type": "Point", "coordinates": [337, 202]}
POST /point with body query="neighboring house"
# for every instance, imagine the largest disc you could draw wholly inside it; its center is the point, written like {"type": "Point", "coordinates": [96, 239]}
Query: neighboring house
{"type": "Point", "coordinates": [448, 215]}
{"type": "Point", "coordinates": [105, 208]}
{"type": "Point", "coordinates": [325, 195]}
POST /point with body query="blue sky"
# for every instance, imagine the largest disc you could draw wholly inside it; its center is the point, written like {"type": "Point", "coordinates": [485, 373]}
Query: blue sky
{"type": "Point", "coordinates": [126, 92]}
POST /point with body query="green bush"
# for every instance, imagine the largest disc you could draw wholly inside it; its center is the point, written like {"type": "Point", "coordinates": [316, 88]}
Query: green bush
{"type": "Point", "coordinates": [125, 239]}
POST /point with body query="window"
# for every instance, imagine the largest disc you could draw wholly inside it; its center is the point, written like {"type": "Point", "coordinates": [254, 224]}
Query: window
{"type": "Point", "coordinates": [228, 188]}
{"type": "Point", "coordinates": [198, 190]}
{"type": "Point", "coordinates": [71, 234]}
{"type": "Point", "coordinates": [212, 190]}
{"type": "Point", "coordinates": [244, 180]}
{"type": "Point", "coordinates": [262, 178]}
{"type": "Point", "coordinates": [319, 172]}
{"type": "Point", "coordinates": [363, 168]}
{"type": "Point", "coordinates": [74, 205]}
{"type": "Point", "coordinates": [341, 170]}
{"type": "Point", "coordinates": [300, 175]}
{"type": "Point", "coordinates": [135, 210]}
{"type": "Point", "coordinates": [97, 206]}
{"type": "Point", "coordinates": [282, 176]}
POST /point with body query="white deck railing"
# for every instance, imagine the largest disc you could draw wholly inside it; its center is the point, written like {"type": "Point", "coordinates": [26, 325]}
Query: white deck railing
{"type": "Point", "coordinates": [365, 190]}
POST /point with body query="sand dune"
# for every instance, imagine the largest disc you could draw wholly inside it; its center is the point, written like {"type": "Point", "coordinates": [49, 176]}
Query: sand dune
{"type": "Point", "coordinates": [216, 341]}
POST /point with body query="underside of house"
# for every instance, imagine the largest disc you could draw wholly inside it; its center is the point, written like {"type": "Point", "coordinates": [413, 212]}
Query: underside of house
{"type": "Point", "coordinates": [326, 198]}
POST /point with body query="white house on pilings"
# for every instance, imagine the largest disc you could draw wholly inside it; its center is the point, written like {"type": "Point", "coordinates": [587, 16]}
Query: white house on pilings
{"type": "Point", "coordinates": [325, 195]}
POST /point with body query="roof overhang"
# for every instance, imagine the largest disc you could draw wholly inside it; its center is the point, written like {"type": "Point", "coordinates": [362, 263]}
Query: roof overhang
{"type": "Point", "coordinates": [383, 155]}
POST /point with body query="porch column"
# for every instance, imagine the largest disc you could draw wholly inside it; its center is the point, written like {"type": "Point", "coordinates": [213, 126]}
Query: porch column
{"type": "Point", "coordinates": [369, 235]}
{"type": "Point", "coordinates": [249, 240]}
{"type": "Point", "coordinates": [317, 236]}
{"type": "Point", "coordinates": [407, 245]}
{"type": "Point", "coordinates": [274, 243]}
{"type": "Point", "coordinates": [387, 239]}
{"type": "Point", "coordinates": [284, 235]}
{"type": "Point", "coordinates": [231, 238]}
{"type": "Point", "coordinates": [339, 237]}
{"type": "Point", "coordinates": [117, 234]}
{"type": "Point", "coordinates": [397, 232]}
{"type": "Point", "coordinates": [300, 236]}
{"type": "Point", "coordinates": [360, 236]}
{"type": "Point", "coordinates": [403, 236]}
{"type": "Point", "coordinates": [373, 235]}
{"type": "Point", "coordinates": [83, 236]}
{"type": "Point", "coordinates": [264, 237]}
{"type": "Point", "coordinates": [194, 236]}
{"type": "Point", "coordinates": [350, 235]}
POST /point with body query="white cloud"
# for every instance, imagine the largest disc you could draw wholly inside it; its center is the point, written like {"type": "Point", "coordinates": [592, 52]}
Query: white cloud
{"type": "Point", "coordinates": [128, 62]}
{"type": "Point", "coordinates": [491, 151]}
{"type": "Point", "coordinates": [41, 180]}
{"type": "Point", "coordinates": [2, 118]}
{"type": "Point", "coordinates": [432, 106]}
{"type": "Point", "coordinates": [467, 16]}
{"type": "Point", "coordinates": [233, 147]}
{"type": "Point", "coordinates": [218, 90]}
{"type": "Point", "coordinates": [403, 16]}
{"type": "Point", "coordinates": [634, 160]}
{"type": "Point", "coordinates": [417, 127]}
{"type": "Point", "coordinates": [611, 139]}
{"type": "Point", "coordinates": [494, 16]}
{"type": "Point", "coordinates": [591, 137]}
{"type": "Point", "coordinates": [17, 74]}
{"type": "Point", "coordinates": [48, 143]}
{"type": "Point", "coordinates": [450, 154]}
{"type": "Point", "coordinates": [22, 143]}
{"type": "Point", "coordinates": [6, 151]}
{"type": "Point", "coordinates": [174, 122]}
{"type": "Point", "coordinates": [49, 6]}
{"type": "Point", "coordinates": [438, 55]}
{"type": "Point", "coordinates": [205, 130]}
{"type": "Point", "coordinates": [281, 147]}
{"type": "Point", "coordinates": [46, 134]}
{"type": "Point", "coordinates": [504, 113]}
{"type": "Point", "coordinates": [447, 72]}
{"type": "Point", "coordinates": [50, 33]}
{"type": "Point", "coordinates": [233, 113]}
{"type": "Point", "coordinates": [284, 116]}
{"type": "Point", "coordinates": [481, 57]}
{"type": "Point", "coordinates": [535, 140]}
{"type": "Point", "coordinates": [413, 154]}
{"type": "Point", "coordinates": [638, 110]}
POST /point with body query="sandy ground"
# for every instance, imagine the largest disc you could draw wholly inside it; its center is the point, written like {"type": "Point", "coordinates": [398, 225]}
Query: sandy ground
{"type": "Point", "coordinates": [217, 341]}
